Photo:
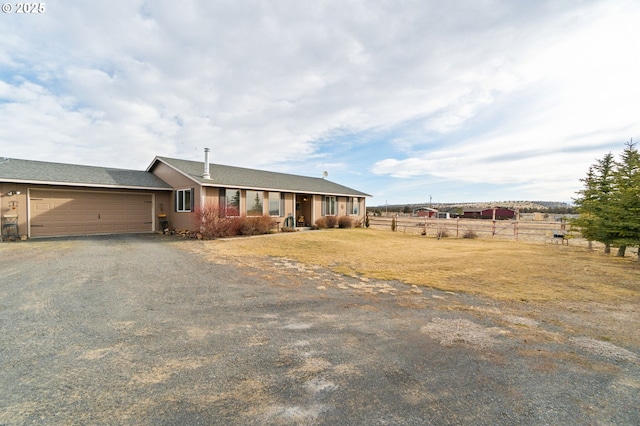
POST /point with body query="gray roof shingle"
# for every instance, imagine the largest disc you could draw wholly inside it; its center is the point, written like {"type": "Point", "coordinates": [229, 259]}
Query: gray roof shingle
{"type": "Point", "coordinates": [14, 170]}
{"type": "Point", "coordinates": [230, 176]}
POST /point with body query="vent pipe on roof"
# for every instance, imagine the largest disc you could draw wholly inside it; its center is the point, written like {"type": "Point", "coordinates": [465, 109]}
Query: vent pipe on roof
{"type": "Point", "coordinates": [206, 174]}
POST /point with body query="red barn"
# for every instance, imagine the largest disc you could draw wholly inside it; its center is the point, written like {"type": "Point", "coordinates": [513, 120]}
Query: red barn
{"type": "Point", "coordinates": [498, 213]}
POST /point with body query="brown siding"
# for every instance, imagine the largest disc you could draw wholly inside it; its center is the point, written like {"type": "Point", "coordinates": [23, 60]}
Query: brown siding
{"type": "Point", "coordinates": [172, 177]}
{"type": "Point", "coordinates": [14, 205]}
{"type": "Point", "coordinates": [342, 206]}
{"type": "Point", "coordinates": [289, 204]}
{"type": "Point", "coordinates": [317, 208]}
{"type": "Point", "coordinates": [178, 220]}
{"type": "Point", "coordinates": [212, 197]}
{"type": "Point", "coordinates": [164, 206]}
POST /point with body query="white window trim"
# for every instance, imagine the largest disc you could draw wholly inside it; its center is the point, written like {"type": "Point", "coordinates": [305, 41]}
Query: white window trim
{"type": "Point", "coordinates": [334, 205]}
{"type": "Point", "coordinates": [180, 195]}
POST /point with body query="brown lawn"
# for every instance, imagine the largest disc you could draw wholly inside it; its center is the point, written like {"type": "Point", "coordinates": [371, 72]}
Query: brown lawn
{"type": "Point", "coordinates": [504, 270]}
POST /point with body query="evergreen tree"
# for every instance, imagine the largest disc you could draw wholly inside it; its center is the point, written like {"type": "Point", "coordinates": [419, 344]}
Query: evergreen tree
{"type": "Point", "coordinates": [594, 203]}
{"type": "Point", "coordinates": [626, 199]}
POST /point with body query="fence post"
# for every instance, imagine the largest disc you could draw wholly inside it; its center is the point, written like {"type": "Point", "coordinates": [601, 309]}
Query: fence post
{"type": "Point", "coordinates": [457, 226]}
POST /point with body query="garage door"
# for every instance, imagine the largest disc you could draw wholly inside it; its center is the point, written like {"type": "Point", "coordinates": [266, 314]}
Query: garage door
{"type": "Point", "coordinates": [56, 213]}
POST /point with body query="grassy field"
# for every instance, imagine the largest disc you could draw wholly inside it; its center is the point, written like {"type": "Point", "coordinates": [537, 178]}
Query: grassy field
{"type": "Point", "coordinates": [504, 270]}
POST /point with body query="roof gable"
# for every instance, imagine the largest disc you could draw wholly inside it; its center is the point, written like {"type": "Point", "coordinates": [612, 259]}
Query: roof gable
{"type": "Point", "coordinates": [232, 177]}
{"type": "Point", "coordinates": [28, 171]}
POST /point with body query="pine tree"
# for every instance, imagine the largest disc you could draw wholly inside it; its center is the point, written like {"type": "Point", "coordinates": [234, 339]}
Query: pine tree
{"type": "Point", "coordinates": [594, 203]}
{"type": "Point", "coordinates": [626, 199]}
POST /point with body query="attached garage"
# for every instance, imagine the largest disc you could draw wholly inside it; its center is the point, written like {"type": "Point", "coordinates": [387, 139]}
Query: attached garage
{"type": "Point", "coordinates": [42, 199]}
{"type": "Point", "coordinates": [57, 213]}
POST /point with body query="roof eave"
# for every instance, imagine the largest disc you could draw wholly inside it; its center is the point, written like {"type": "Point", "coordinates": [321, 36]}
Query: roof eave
{"type": "Point", "coordinates": [298, 191]}
{"type": "Point", "coordinates": [81, 184]}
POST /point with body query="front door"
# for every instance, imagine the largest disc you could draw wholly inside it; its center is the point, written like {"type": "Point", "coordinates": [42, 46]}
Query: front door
{"type": "Point", "coordinates": [303, 210]}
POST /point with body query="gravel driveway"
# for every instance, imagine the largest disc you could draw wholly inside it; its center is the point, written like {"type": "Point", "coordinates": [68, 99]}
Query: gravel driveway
{"type": "Point", "coordinates": [143, 330]}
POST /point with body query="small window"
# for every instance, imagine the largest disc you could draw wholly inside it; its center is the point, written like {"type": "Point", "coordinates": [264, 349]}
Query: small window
{"type": "Point", "coordinates": [353, 206]}
{"type": "Point", "coordinates": [329, 206]}
{"type": "Point", "coordinates": [184, 200]}
{"type": "Point", "coordinates": [276, 204]}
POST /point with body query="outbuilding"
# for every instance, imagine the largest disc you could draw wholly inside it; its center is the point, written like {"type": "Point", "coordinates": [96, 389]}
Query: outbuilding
{"type": "Point", "coordinates": [496, 213]}
{"type": "Point", "coordinates": [425, 212]}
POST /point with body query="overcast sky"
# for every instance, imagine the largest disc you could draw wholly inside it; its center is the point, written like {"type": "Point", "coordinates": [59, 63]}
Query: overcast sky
{"type": "Point", "coordinates": [474, 100]}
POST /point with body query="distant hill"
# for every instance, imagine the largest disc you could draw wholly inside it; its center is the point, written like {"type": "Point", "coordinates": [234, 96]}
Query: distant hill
{"type": "Point", "coordinates": [517, 205]}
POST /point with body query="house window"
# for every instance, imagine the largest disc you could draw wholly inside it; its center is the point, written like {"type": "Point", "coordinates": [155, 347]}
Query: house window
{"type": "Point", "coordinates": [255, 201]}
{"type": "Point", "coordinates": [276, 204]}
{"type": "Point", "coordinates": [184, 200]}
{"type": "Point", "coordinates": [353, 206]}
{"type": "Point", "coordinates": [232, 202]}
{"type": "Point", "coordinates": [329, 206]}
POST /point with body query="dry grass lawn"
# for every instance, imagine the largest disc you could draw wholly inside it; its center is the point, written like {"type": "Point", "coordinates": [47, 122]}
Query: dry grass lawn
{"type": "Point", "coordinates": [504, 270]}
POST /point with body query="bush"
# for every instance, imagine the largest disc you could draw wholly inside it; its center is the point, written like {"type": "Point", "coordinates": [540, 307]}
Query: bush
{"type": "Point", "coordinates": [470, 234]}
{"type": "Point", "coordinates": [233, 226]}
{"type": "Point", "coordinates": [442, 233]}
{"type": "Point", "coordinates": [212, 223]}
{"type": "Point", "coordinates": [255, 225]}
{"type": "Point", "coordinates": [246, 227]}
{"type": "Point", "coordinates": [345, 222]}
{"type": "Point", "coordinates": [332, 221]}
{"type": "Point", "coordinates": [263, 224]}
{"type": "Point", "coordinates": [321, 223]}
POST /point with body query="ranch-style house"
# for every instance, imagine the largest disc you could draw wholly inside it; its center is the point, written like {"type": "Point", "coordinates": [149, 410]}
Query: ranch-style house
{"type": "Point", "coordinates": [44, 199]}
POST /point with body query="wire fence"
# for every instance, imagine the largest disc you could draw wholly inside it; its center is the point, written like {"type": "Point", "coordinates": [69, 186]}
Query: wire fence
{"type": "Point", "coordinates": [516, 230]}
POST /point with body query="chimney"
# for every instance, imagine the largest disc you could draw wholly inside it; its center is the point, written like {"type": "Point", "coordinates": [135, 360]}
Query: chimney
{"type": "Point", "coordinates": [206, 174]}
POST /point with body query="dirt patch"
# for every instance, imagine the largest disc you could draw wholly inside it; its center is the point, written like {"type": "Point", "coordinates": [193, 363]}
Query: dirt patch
{"type": "Point", "coordinates": [461, 331]}
{"type": "Point", "coordinates": [604, 349]}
